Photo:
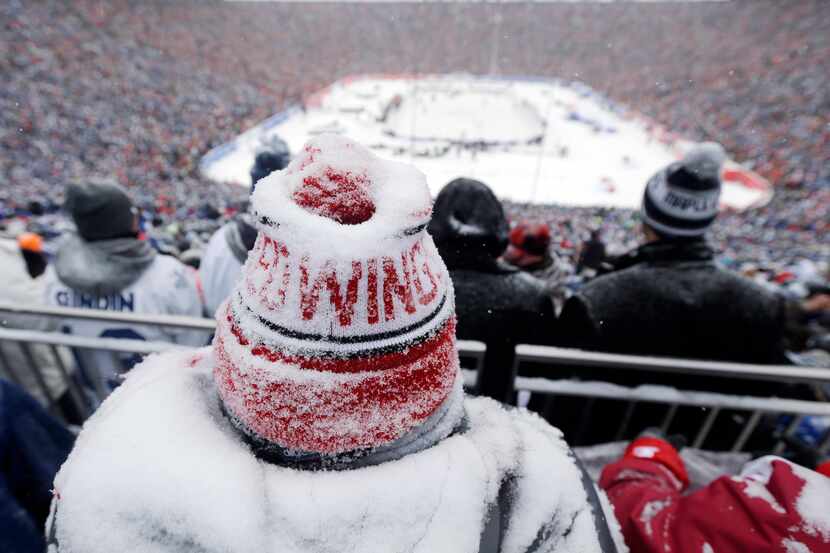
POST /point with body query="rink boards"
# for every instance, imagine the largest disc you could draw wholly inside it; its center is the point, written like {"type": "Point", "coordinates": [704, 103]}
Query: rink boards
{"type": "Point", "coordinates": [532, 140]}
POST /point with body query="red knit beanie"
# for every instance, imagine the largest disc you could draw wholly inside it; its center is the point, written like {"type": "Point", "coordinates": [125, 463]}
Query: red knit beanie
{"type": "Point", "coordinates": [340, 334]}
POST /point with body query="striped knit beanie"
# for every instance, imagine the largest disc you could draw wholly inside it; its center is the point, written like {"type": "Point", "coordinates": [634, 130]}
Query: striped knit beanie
{"type": "Point", "coordinates": [682, 199]}
{"type": "Point", "coordinates": [340, 335]}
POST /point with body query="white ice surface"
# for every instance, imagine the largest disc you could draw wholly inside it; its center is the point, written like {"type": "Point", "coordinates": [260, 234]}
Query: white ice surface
{"type": "Point", "coordinates": [611, 152]}
{"type": "Point", "coordinates": [159, 469]}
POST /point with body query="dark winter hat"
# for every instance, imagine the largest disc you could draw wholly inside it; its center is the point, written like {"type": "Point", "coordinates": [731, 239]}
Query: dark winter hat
{"type": "Point", "coordinates": [468, 220]}
{"type": "Point", "coordinates": [682, 199]}
{"type": "Point", "coordinates": [101, 209]}
{"type": "Point", "coordinates": [274, 156]}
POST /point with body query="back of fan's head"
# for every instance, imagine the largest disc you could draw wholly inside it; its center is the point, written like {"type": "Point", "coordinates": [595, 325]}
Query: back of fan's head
{"type": "Point", "coordinates": [101, 210]}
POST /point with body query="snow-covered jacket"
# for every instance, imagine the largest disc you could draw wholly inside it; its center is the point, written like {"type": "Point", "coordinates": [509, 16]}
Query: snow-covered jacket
{"type": "Point", "coordinates": [220, 269]}
{"type": "Point", "coordinates": [670, 298]}
{"type": "Point", "coordinates": [165, 287]}
{"type": "Point", "coordinates": [773, 506]}
{"type": "Point", "coordinates": [159, 468]}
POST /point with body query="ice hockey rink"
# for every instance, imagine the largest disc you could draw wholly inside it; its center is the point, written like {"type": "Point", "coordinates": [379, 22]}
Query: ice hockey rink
{"type": "Point", "coordinates": [531, 140]}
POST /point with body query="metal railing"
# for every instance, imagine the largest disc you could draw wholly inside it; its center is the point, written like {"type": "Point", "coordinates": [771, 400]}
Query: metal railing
{"type": "Point", "coordinates": [473, 355]}
{"type": "Point", "coordinates": [471, 352]}
{"type": "Point", "coordinates": [717, 403]}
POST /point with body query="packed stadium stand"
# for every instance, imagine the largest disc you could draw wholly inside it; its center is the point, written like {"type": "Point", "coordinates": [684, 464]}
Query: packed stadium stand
{"type": "Point", "coordinates": [107, 109]}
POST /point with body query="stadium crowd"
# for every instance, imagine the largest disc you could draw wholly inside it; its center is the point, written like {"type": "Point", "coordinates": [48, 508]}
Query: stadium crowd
{"type": "Point", "coordinates": [106, 110]}
{"type": "Point", "coordinates": [140, 92]}
{"type": "Point", "coordinates": [393, 407]}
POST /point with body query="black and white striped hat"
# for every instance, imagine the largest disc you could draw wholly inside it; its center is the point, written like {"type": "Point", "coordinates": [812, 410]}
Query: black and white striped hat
{"type": "Point", "coordinates": [682, 199]}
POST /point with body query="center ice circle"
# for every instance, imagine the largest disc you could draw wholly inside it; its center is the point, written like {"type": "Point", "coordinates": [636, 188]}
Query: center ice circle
{"type": "Point", "coordinates": [463, 116]}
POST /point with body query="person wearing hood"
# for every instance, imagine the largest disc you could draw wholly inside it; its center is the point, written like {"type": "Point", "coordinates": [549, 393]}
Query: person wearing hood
{"type": "Point", "coordinates": [496, 303]}
{"type": "Point", "coordinates": [228, 248]}
{"type": "Point", "coordinates": [669, 298]}
{"type": "Point", "coordinates": [105, 266]}
{"type": "Point", "coordinates": [329, 413]}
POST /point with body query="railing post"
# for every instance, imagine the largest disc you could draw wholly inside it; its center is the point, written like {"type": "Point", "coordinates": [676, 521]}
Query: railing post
{"type": "Point", "coordinates": [498, 372]}
{"type": "Point", "coordinates": [51, 402]}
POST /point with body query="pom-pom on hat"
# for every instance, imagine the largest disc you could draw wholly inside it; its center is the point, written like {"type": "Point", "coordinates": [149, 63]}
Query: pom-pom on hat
{"type": "Point", "coordinates": [682, 199]}
{"type": "Point", "coordinates": [340, 335]}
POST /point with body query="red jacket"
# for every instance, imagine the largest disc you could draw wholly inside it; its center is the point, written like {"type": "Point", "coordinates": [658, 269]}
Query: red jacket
{"type": "Point", "coordinates": [773, 506]}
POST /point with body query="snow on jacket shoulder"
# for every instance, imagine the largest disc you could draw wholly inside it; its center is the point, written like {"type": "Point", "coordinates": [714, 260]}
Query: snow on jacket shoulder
{"type": "Point", "coordinates": [773, 506]}
{"type": "Point", "coordinates": [159, 468]}
{"type": "Point", "coordinates": [673, 300]}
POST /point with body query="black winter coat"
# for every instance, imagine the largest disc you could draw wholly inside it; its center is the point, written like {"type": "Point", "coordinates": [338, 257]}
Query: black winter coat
{"type": "Point", "coordinates": [495, 303]}
{"type": "Point", "coordinates": [671, 299]}
{"type": "Point", "coordinates": [668, 299]}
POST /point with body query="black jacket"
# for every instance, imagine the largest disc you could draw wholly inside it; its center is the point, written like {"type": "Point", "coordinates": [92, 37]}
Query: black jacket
{"type": "Point", "coordinates": [671, 299]}
{"type": "Point", "coordinates": [668, 299]}
{"type": "Point", "coordinates": [495, 303]}
{"type": "Point", "coordinates": [592, 256]}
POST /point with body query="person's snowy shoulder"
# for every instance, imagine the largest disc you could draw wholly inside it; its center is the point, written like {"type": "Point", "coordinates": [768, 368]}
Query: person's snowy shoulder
{"type": "Point", "coordinates": [194, 485]}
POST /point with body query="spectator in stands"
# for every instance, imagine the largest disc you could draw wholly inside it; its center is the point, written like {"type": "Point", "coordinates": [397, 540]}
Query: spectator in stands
{"type": "Point", "coordinates": [105, 266]}
{"type": "Point", "coordinates": [773, 506]}
{"type": "Point", "coordinates": [17, 287]}
{"type": "Point", "coordinates": [668, 297]}
{"type": "Point", "coordinates": [529, 247]}
{"type": "Point", "coordinates": [496, 303]}
{"type": "Point", "coordinates": [33, 446]}
{"type": "Point", "coordinates": [31, 247]}
{"type": "Point", "coordinates": [593, 253]}
{"type": "Point", "coordinates": [337, 426]}
{"type": "Point", "coordinates": [228, 248]}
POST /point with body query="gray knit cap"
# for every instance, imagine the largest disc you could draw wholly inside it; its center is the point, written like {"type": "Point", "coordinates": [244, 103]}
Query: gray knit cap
{"type": "Point", "coordinates": [682, 199]}
{"type": "Point", "coordinates": [101, 209]}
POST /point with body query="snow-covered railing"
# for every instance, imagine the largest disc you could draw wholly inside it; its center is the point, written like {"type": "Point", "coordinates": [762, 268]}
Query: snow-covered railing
{"type": "Point", "coordinates": [78, 395]}
{"type": "Point", "coordinates": [717, 403]}
{"type": "Point", "coordinates": [576, 357]}
{"type": "Point", "coordinates": [475, 352]}
{"type": "Point", "coordinates": [174, 321]}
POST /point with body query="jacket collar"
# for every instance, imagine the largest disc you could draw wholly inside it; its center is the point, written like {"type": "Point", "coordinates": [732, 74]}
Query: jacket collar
{"type": "Point", "coordinates": [667, 252]}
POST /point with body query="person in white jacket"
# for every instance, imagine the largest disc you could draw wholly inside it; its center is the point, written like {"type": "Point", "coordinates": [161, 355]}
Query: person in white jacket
{"type": "Point", "coordinates": [106, 267]}
{"type": "Point", "coordinates": [49, 386]}
{"type": "Point", "coordinates": [228, 248]}
{"type": "Point", "coordinates": [328, 415]}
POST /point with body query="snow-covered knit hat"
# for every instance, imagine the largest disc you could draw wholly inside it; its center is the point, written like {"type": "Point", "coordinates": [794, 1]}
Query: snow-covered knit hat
{"type": "Point", "coordinates": [340, 335]}
{"type": "Point", "coordinates": [682, 199]}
